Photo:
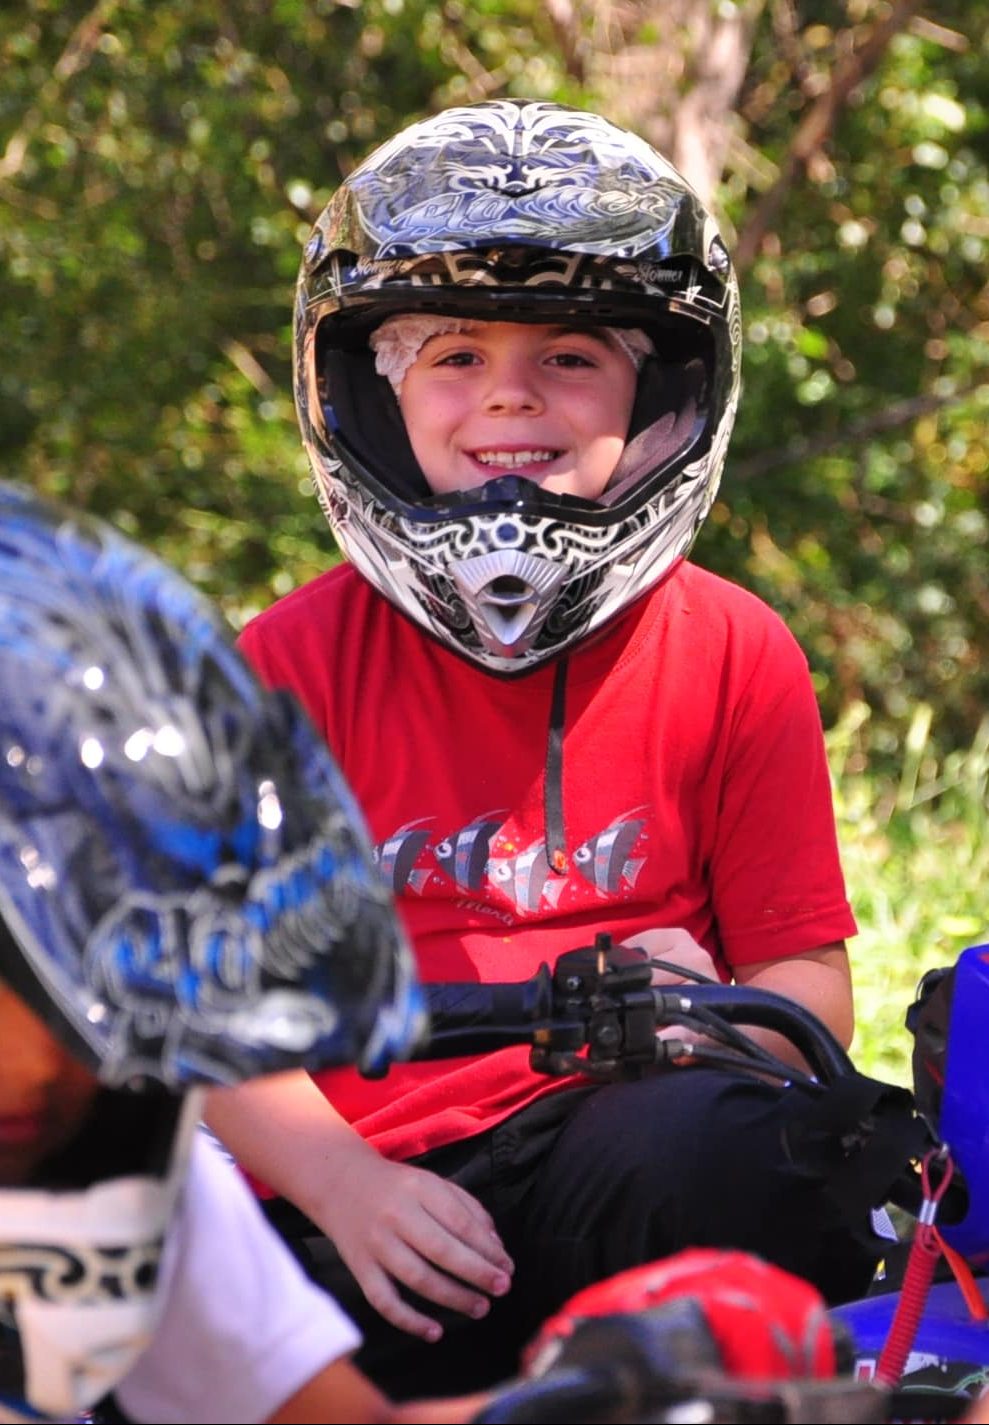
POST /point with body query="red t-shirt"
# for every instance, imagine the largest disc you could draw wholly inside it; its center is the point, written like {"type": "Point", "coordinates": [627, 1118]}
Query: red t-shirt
{"type": "Point", "coordinates": [695, 793]}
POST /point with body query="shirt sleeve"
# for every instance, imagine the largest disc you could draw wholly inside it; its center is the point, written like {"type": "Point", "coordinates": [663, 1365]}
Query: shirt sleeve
{"type": "Point", "coordinates": [779, 887]}
{"type": "Point", "coordinates": [242, 1327]}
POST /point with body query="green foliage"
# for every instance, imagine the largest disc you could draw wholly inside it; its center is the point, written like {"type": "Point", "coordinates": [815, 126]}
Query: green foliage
{"type": "Point", "coordinates": [915, 849]}
{"type": "Point", "coordinates": [855, 498]}
{"type": "Point", "coordinates": [163, 164]}
{"type": "Point", "coordinates": [163, 167]}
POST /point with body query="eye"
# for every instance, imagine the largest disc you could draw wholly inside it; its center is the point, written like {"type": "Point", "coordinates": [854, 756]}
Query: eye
{"type": "Point", "coordinates": [457, 358]}
{"type": "Point", "coordinates": [571, 360]}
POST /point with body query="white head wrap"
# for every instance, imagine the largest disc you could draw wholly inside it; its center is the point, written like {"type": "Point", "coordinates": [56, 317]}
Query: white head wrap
{"type": "Point", "coordinates": [399, 340]}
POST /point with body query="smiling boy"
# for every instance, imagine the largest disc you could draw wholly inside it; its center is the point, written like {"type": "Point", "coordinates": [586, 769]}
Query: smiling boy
{"type": "Point", "coordinates": [496, 398]}
{"type": "Point", "coordinates": [517, 365]}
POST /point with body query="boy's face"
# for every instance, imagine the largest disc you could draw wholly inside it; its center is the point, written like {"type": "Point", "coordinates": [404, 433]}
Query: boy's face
{"type": "Point", "coordinates": [45, 1094]}
{"type": "Point", "coordinates": [549, 403]}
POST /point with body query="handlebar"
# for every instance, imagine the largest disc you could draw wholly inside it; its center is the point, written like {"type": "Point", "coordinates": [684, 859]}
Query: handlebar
{"type": "Point", "coordinates": [664, 1364]}
{"type": "Point", "coordinates": [597, 1013]}
{"type": "Point", "coordinates": [600, 999]}
{"type": "Point", "coordinates": [607, 1395]}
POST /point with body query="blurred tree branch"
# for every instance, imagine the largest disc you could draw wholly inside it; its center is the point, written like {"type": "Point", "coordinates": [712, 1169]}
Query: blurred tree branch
{"type": "Point", "coordinates": [76, 55]}
{"type": "Point", "coordinates": [891, 417]}
{"type": "Point", "coordinates": [672, 70]}
{"type": "Point", "coordinates": [567, 22]}
{"type": "Point", "coordinates": [818, 123]}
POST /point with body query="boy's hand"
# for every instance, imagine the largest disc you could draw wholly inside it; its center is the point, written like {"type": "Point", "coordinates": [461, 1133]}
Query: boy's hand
{"type": "Point", "coordinates": [679, 947]}
{"type": "Point", "coordinates": [393, 1223]}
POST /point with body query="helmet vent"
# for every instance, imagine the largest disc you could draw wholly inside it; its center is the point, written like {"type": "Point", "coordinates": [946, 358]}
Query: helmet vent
{"type": "Point", "coordinates": [508, 594]}
{"type": "Point", "coordinates": [508, 590]}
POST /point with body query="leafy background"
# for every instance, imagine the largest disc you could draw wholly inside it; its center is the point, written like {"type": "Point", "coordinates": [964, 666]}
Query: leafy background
{"type": "Point", "coordinates": [160, 166]}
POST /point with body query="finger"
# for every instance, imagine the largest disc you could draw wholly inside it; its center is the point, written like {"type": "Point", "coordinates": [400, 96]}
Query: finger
{"type": "Point", "coordinates": [669, 978]}
{"type": "Point", "coordinates": [670, 940]}
{"type": "Point", "coordinates": [678, 948]}
{"type": "Point", "coordinates": [453, 1214]}
{"type": "Point", "coordinates": [436, 1243]}
{"type": "Point", "coordinates": [421, 1274]}
{"type": "Point", "coordinates": [679, 1031]}
{"type": "Point", "coordinates": [468, 1203]}
{"type": "Point", "coordinates": [463, 1260]}
{"type": "Point", "coordinates": [430, 1212]}
{"type": "Point", "coordinates": [382, 1295]}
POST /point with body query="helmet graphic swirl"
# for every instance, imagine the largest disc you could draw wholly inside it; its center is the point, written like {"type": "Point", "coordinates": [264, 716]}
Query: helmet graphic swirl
{"type": "Point", "coordinates": [187, 892]}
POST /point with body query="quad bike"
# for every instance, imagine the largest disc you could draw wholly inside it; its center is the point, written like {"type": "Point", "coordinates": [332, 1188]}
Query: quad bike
{"type": "Point", "coordinates": [638, 1348]}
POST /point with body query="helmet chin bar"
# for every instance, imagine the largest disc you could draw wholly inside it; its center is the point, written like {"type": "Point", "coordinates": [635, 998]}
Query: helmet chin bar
{"type": "Point", "coordinates": [508, 595]}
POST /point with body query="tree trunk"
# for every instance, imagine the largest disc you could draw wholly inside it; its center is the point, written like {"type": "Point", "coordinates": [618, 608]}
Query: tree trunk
{"type": "Point", "coordinates": [671, 70]}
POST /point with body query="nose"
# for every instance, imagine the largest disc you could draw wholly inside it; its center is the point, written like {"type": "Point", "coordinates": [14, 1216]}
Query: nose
{"type": "Point", "coordinates": [512, 386]}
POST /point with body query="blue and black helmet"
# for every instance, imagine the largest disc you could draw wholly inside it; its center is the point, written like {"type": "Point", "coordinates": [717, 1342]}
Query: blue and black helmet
{"type": "Point", "coordinates": [187, 891]}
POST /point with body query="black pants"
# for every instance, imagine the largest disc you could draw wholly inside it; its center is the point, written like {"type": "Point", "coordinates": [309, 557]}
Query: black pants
{"type": "Point", "coordinates": [592, 1180]}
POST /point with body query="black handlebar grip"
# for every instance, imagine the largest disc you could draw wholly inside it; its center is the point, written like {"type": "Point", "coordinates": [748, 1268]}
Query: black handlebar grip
{"type": "Point", "coordinates": [466, 1017]}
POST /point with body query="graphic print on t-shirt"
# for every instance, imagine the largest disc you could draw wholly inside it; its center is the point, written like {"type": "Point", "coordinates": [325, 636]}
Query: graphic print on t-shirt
{"type": "Point", "coordinates": [396, 856]}
{"type": "Point", "coordinates": [502, 866]}
{"type": "Point", "coordinates": [606, 860]}
{"type": "Point", "coordinates": [526, 879]}
{"type": "Point", "coordinates": [464, 855]}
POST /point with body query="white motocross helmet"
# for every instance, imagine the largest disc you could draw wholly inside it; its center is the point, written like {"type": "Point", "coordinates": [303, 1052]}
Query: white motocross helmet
{"type": "Point", "coordinates": [520, 211]}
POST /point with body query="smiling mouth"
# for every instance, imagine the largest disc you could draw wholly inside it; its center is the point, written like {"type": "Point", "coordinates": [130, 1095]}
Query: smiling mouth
{"type": "Point", "coordinates": [515, 459]}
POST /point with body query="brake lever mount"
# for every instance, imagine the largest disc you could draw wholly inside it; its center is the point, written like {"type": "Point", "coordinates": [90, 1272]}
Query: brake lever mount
{"type": "Point", "coordinates": [602, 999]}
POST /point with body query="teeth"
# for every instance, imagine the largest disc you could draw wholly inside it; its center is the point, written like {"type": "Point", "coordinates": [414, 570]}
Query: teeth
{"type": "Point", "coordinates": [512, 458]}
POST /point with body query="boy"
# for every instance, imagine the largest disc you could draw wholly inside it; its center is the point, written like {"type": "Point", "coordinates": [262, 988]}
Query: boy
{"type": "Point", "coordinates": [517, 346]}
{"type": "Point", "coordinates": [186, 897]}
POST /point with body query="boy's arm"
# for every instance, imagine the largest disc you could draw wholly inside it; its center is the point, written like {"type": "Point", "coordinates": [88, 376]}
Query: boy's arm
{"type": "Point", "coordinates": [820, 980]}
{"type": "Point", "coordinates": [340, 1392]}
{"type": "Point", "coordinates": [391, 1222]}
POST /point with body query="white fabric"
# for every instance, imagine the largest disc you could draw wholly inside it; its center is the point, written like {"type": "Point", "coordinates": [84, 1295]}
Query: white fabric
{"type": "Point", "coordinates": [398, 341]}
{"type": "Point", "coordinates": [76, 1340]}
{"type": "Point", "coordinates": [634, 342]}
{"type": "Point", "coordinates": [242, 1328]}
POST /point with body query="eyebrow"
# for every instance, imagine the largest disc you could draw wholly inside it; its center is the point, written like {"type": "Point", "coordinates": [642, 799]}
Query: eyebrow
{"type": "Point", "coordinates": [599, 334]}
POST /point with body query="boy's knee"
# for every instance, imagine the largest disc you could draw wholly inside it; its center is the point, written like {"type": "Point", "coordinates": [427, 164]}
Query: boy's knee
{"type": "Point", "coordinates": [696, 1158]}
{"type": "Point", "coordinates": [693, 1158]}
{"type": "Point", "coordinates": [665, 1152]}
{"type": "Point", "coordinates": [682, 1124]}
